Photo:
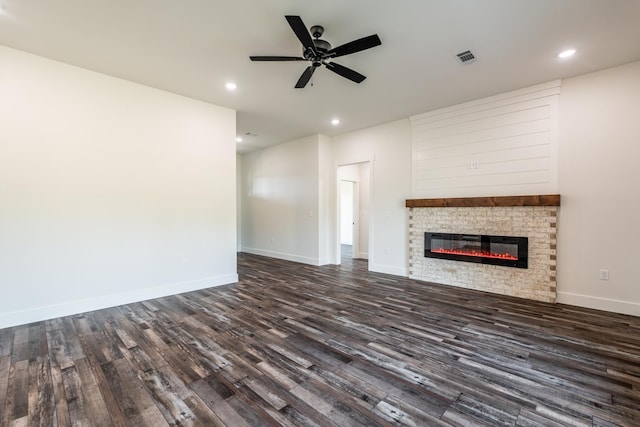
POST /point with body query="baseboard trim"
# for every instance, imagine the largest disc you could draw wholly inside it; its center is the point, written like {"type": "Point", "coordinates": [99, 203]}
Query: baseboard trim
{"type": "Point", "coordinates": [388, 269]}
{"type": "Point", "coordinates": [616, 306]}
{"type": "Point", "coordinates": [38, 314]}
{"type": "Point", "coordinates": [286, 256]}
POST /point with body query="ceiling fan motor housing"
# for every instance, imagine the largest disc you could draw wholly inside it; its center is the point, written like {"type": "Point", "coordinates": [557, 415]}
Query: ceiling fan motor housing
{"type": "Point", "coordinates": [322, 47]}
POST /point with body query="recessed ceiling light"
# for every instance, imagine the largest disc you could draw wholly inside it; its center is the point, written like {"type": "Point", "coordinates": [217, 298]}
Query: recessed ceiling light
{"type": "Point", "coordinates": [566, 53]}
{"type": "Point", "coordinates": [238, 139]}
{"type": "Point", "coordinates": [231, 86]}
{"type": "Point", "coordinates": [335, 122]}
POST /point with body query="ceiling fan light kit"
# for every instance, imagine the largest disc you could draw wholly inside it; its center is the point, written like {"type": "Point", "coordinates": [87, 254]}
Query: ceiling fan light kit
{"type": "Point", "coordinates": [320, 52]}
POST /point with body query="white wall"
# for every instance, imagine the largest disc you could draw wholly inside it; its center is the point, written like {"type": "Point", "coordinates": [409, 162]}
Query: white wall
{"type": "Point", "coordinates": [599, 226]}
{"type": "Point", "coordinates": [281, 201]}
{"type": "Point", "coordinates": [110, 192]}
{"type": "Point", "coordinates": [284, 185]}
{"type": "Point", "coordinates": [389, 148]}
{"type": "Point", "coordinates": [326, 201]}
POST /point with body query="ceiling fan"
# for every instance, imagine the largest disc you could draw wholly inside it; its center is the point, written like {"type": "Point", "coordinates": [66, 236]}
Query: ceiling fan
{"type": "Point", "coordinates": [319, 52]}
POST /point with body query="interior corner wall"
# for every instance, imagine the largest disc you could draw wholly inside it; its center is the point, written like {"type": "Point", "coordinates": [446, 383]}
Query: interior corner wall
{"type": "Point", "coordinates": [598, 226]}
{"type": "Point", "coordinates": [326, 205]}
{"type": "Point", "coordinates": [238, 203]}
{"type": "Point", "coordinates": [281, 201]}
{"type": "Point", "coordinates": [110, 192]}
{"type": "Point", "coordinates": [364, 194]}
{"type": "Point", "coordinates": [388, 149]}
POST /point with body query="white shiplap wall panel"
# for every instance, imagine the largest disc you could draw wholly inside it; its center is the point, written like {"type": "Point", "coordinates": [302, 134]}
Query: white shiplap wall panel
{"type": "Point", "coordinates": [486, 145]}
{"type": "Point", "coordinates": [468, 125]}
{"type": "Point", "coordinates": [489, 184]}
{"type": "Point", "coordinates": [497, 168]}
{"type": "Point", "coordinates": [496, 101]}
{"type": "Point", "coordinates": [537, 151]}
{"type": "Point", "coordinates": [503, 145]}
{"type": "Point", "coordinates": [515, 131]}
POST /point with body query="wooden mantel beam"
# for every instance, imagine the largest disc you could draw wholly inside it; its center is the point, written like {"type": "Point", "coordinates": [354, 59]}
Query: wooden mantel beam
{"type": "Point", "coordinates": [473, 202]}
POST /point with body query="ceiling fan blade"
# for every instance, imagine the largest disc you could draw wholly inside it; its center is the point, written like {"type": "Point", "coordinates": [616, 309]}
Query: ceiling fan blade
{"type": "Point", "coordinates": [305, 77]}
{"type": "Point", "coordinates": [276, 58]}
{"type": "Point", "coordinates": [355, 46]}
{"type": "Point", "coordinates": [298, 27]}
{"type": "Point", "coordinates": [345, 72]}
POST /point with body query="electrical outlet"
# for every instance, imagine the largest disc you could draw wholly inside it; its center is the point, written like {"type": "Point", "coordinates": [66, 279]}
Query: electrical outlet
{"type": "Point", "coordinates": [604, 274]}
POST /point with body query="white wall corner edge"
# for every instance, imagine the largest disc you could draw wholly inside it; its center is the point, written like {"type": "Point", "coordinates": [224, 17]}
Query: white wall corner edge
{"type": "Point", "coordinates": [616, 306]}
{"type": "Point", "coordinates": [38, 314]}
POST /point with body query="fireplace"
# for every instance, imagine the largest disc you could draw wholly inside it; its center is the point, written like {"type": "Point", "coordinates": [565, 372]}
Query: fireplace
{"type": "Point", "coordinates": [479, 248]}
{"type": "Point", "coordinates": [533, 217]}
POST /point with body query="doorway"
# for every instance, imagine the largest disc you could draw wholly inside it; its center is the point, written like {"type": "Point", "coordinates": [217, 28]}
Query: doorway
{"type": "Point", "coordinates": [353, 211]}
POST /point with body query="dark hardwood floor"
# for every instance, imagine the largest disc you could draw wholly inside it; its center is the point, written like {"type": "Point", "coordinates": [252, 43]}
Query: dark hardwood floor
{"type": "Point", "coordinates": [292, 344]}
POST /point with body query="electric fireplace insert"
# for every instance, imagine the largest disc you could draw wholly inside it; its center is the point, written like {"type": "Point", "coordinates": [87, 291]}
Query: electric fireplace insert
{"type": "Point", "coordinates": [479, 248]}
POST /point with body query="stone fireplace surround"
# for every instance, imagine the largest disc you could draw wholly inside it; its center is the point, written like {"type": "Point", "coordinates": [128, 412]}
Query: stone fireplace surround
{"type": "Point", "coordinates": [534, 217]}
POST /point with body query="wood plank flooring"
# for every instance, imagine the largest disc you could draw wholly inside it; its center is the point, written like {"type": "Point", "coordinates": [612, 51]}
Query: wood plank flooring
{"type": "Point", "coordinates": [298, 345]}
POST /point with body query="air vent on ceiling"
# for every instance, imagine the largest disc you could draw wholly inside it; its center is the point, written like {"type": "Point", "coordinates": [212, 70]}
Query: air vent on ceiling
{"type": "Point", "coordinates": [466, 56]}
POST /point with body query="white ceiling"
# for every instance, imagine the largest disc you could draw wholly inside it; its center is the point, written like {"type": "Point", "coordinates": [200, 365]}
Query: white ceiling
{"type": "Point", "coordinates": [193, 47]}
